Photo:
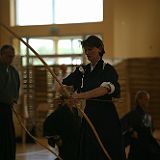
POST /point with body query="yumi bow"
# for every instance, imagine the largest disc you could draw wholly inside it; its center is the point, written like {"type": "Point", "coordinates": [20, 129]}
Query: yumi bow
{"type": "Point", "coordinates": [61, 85]}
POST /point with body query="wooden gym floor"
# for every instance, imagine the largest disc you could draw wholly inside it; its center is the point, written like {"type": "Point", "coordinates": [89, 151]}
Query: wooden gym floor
{"type": "Point", "coordinates": [33, 151]}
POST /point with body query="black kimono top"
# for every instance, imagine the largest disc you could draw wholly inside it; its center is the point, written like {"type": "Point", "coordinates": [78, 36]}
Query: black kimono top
{"type": "Point", "coordinates": [9, 84]}
{"type": "Point", "coordinates": [144, 146]}
{"type": "Point", "coordinates": [137, 119]}
{"type": "Point", "coordinates": [86, 80]}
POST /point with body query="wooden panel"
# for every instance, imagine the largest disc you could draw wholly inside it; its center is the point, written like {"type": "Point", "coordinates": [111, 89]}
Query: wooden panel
{"type": "Point", "coordinates": [141, 74]}
{"type": "Point", "coordinates": [123, 105]}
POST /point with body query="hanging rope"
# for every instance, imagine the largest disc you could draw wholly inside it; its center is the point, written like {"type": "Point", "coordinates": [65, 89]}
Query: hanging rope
{"type": "Point", "coordinates": [61, 85]}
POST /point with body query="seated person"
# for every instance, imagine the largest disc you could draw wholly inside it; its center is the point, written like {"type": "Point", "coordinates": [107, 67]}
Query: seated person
{"type": "Point", "coordinates": [62, 127]}
{"type": "Point", "coordinates": [137, 130]}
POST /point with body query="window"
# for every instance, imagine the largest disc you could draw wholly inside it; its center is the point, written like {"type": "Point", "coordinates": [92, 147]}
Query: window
{"type": "Point", "coordinates": [78, 11]}
{"type": "Point", "coordinates": [54, 50]}
{"type": "Point", "coordinates": [69, 46]}
{"type": "Point", "coordinates": [44, 46]}
{"type": "Point", "coordinates": [40, 12]}
{"type": "Point", "coordinates": [34, 12]}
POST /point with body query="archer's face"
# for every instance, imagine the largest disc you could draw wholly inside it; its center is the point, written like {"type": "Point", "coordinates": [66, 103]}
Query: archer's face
{"type": "Point", "coordinates": [92, 54]}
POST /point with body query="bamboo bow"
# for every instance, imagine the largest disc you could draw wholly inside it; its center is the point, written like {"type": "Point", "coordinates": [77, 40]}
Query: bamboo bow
{"type": "Point", "coordinates": [64, 89]}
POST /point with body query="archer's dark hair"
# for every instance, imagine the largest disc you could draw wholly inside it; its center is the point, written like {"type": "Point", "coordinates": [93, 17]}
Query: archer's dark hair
{"type": "Point", "coordinates": [94, 41]}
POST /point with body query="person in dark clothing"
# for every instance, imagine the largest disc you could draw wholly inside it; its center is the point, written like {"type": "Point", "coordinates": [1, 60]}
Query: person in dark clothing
{"type": "Point", "coordinates": [62, 127]}
{"type": "Point", "coordinates": [137, 127]}
{"type": "Point", "coordinates": [9, 93]}
{"type": "Point", "coordinates": [97, 83]}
